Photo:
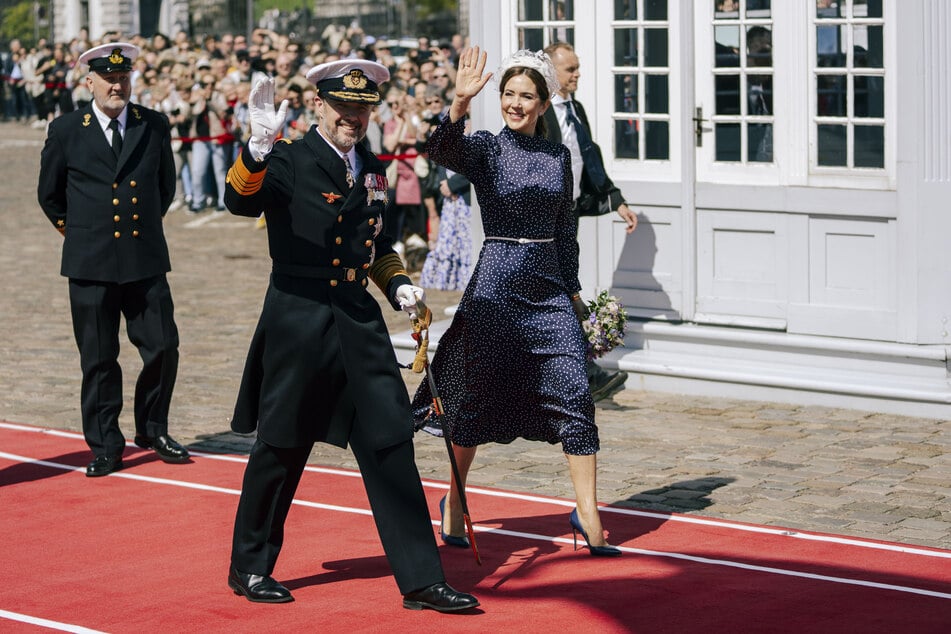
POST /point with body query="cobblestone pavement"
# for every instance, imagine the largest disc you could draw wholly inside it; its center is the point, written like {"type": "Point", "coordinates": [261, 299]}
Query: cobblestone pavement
{"type": "Point", "coordinates": [810, 468]}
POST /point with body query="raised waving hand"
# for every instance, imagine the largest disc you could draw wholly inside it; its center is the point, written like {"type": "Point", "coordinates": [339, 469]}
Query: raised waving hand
{"type": "Point", "coordinates": [470, 80]}
{"type": "Point", "coordinates": [266, 122]}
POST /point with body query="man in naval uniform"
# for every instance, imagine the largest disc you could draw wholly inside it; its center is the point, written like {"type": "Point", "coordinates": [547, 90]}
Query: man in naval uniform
{"type": "Point", "coordinates": [594, 193]}
{"type": "Point", "coordinates": [106, 180]}
{"type": "Point", "coordinates": [321, 366]}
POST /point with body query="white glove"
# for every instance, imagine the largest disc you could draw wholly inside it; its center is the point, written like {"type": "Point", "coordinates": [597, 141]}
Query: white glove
{"type": "Point", "coordinates": [407, 295]}
{"type": "Point", "coordinates": [265, 122]}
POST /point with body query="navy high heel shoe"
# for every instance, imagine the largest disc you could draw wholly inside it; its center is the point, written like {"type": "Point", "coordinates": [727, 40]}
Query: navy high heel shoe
{"type": "Point", "coordinates": [596, 551]}
{"type": "Point", "coordinates": [450, 540]}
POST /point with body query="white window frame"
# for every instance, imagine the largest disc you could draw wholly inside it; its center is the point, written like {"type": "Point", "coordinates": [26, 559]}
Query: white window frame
{"type": "Point", "coordinates": [855, 177]}
{"type": "Point", "coordinates": [794, 128]}
{"type": "Point", "coordinates": [602, 79]}
{"type": "Point", "coordinates": [546, 24]}
{"type": "Point", "coordinates": [742, 173]}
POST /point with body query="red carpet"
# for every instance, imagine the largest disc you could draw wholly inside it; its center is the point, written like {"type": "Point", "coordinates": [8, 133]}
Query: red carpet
{"type": "Point", "coordinates": [146, 550]}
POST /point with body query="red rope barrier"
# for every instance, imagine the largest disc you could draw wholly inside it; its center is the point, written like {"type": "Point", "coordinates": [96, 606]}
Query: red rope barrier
{"type": "Point", "coordinates": [221, 138]}
{"type": "Point", "coordinates": [397, 157]}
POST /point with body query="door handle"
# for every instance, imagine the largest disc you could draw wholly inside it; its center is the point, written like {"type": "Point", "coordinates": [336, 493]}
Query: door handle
{"type": "Point", "coordinates": [698, 122]}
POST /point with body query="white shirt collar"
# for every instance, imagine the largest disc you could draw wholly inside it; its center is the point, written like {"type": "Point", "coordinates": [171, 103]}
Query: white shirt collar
{"type": "Point", "coordinates": [104, 119]}
{"type": "Point", "coordinates": [355, 163]}
{"type": "Point", "coordinates": [570, 140]}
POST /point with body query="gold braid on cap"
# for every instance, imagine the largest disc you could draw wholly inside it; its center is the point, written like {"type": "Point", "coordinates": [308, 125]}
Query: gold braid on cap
{"type": "Point", "coordinates": [343, 95]}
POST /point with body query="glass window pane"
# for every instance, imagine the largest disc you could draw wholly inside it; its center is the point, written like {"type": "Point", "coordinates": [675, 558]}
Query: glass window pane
{"type": "Point", "coordinates": [655, 9]}
{"type": "Point", "coordinates": [759, 47]}
{"type": "Point", "coordinates": [727, 46]}
{"type": "Point", "coordinates": [759, 138]}
{"type": "Point", "coordinates": [728, 142]}
{"type": "Point", "coordinates": [869, 95]}
{"type": "Point", "coordinates": [831, 145]}
{"type": "Point", "coordinates": [726, 9]}
{"type": "Point", "coordinates": [625, 9]}
{"type": "Point", "coordinates": [655, 47]}
{"type": "Point", "coordinates": [830, 96]}
{"type": "Point", "coordinates": [562, 34]}
{"type": "Point", "coordinates": [657, 138]}
{"type": "Point", "coordinates": [830, 46]}
{"type": "Point", "coordinates": [561, 10]}
{"type": "Point", "coordinates": [867, 8]}
{"type": "Point", "coordinates": [656, 98]}
{"type": "Point", "coordinates": [759, 95]}
{"type": "Point", "coordinates": [867, 46]}
{"type": "Point", "coordinates": [625, 93]}
{"type": "Point", "coordinates": [625, 47]}
{"type": "Point", "coordinates": [869, 146]}
{"type": "Point", "coordinates": [533, 39]}
{"type": "Point", "coordinates": [757, 8]}
{"type": "Point", "coordinates": [625, 139]}
{"type": "Point", "coordinates": [530, 10]}
{"type": "Point", "coordinates": [828, 8]}
{"type": "Point", "coordinates": [728, 94]}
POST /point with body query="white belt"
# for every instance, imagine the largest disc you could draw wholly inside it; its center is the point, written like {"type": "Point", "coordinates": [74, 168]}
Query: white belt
{"type": "Point", "coordinates": [520, 240]}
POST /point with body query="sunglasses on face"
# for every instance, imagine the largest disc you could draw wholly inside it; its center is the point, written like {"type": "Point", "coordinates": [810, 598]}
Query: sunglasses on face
{"type": "Point", "coordinates": [443, 76]}
{"type": "Point", "coordinates": [429, 101]}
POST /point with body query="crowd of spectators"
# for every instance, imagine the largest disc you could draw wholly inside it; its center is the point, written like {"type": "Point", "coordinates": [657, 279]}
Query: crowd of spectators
{"type": "Point", "coordinates": [202, 86]}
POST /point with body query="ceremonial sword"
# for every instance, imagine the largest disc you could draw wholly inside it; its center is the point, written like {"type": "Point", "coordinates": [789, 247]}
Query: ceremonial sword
{"type": "Point", "coordinates": [421, 320]}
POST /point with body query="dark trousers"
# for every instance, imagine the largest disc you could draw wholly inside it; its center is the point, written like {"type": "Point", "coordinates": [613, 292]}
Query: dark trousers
{"type": "Point", "coordinates": [594, 371]}
{"type": "Point", "coordinates": [147, 306]}
{"type": "Point", "coordinates": [393, 489]}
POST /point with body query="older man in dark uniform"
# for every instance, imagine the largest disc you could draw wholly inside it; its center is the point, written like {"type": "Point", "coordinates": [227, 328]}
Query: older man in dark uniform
{"type": "Point", "coordinates": [321, 366]}
{"type": "Point", "coordinates": [106, 179]}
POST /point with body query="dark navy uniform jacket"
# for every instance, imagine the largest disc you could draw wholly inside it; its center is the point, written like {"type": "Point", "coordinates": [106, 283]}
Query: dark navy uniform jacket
{"type": "Point", "coordinates": [111, 208]}
{"type": "Point", "coordinates": [321, 361]}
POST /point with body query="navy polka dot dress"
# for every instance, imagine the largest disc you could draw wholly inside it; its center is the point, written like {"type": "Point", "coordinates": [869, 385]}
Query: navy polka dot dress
{"type": "Point", "coordinates": [512, 363]}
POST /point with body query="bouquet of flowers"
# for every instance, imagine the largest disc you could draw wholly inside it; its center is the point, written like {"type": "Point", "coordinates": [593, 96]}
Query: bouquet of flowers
{"type": "Point", "coordinates": [604, 327]}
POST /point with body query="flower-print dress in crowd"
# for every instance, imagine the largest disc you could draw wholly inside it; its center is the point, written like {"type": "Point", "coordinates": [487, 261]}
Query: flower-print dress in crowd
{"type": "Point", "coordinates": [448, 265]}
{"type": "Point", "coordinates": [512, 363]}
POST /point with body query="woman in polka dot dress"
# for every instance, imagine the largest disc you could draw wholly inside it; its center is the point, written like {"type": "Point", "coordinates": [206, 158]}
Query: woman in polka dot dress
{"type": "Point", "coordinates": [512, 363]}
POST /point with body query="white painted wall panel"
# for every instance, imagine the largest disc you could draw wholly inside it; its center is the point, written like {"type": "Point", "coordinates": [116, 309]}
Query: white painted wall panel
{"type": "Point", "coordinates": [742, 264]}
{"type": "Point", "coordinates": [647, 274]}
{"type": "Point", "coordinates": [851, 280]}
{"type": "Point", "coordinates": [851, 264]}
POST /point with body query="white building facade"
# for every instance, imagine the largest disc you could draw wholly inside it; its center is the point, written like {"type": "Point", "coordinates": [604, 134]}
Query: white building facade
{"type": "Point", "coordinates": [124, 16]}
{"type": "Point", "coordinates": [790, 162]}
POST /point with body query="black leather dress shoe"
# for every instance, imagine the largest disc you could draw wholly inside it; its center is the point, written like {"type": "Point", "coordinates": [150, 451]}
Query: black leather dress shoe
{"type": "Point", "coordinates": [606, 383]}
{"type": "Point", "coordinates": [258, 588]}
{"type": "Point", "coordinates": [103, 465]}
{"type": "Point", "coordinates": [440, 597]}
{"type": "Point", "coordinates": [165, 446]}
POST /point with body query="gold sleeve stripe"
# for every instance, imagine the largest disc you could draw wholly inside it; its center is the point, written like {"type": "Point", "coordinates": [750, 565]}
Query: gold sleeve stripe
{"type": "Point", "coordinates": [385, 269]}
{"type": "Point", "coordinates": [244, 182]}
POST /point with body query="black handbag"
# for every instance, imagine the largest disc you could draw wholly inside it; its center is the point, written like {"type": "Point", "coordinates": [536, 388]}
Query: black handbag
{"type": "Point", "coordinates": [594, 201]}
{"type": "Point", "coordinates": [592, 204]}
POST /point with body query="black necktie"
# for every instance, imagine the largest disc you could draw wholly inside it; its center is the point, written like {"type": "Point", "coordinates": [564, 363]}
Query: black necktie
{"type": "Point", "coordinates": [116, 137]}
{"type": "Point", "coordinates": [346, 161]}
{"type": "Point", "coordinates": [592, 161]}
